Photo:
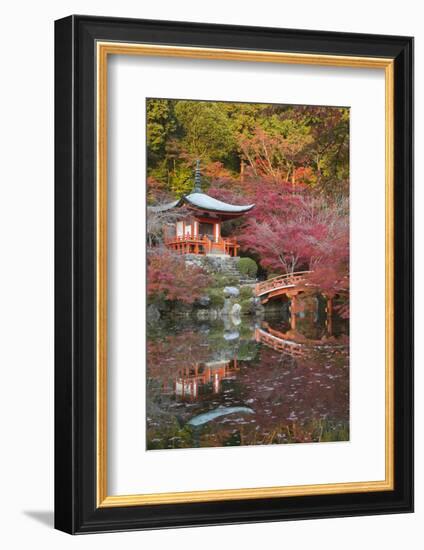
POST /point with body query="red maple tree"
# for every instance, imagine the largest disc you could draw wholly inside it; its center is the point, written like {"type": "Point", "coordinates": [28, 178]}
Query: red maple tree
{"type": "Point", "coordinates": [293, 229]}
{"type": "Point", "coordinates": [171, 278]}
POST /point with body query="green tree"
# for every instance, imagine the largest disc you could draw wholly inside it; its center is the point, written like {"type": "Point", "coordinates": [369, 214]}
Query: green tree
{"type": "Point", "coordinates": [206, 131]}
{"type": "Point", "coordinates": [161, 125]}
{"type": "Point", "coordinates": [294, 143]}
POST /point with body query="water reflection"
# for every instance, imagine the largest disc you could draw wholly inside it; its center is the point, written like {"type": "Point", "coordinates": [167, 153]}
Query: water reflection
{"type": "Point", "coordinates": [219, 384]}
{"type": "Point", "coordinates": [201, 378]}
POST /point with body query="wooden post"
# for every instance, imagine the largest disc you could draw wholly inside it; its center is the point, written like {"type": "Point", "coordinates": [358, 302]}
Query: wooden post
{"type": "Point", "coordinates": [293, 310]}
{"type": "Point", "coordinates": [329, 311]}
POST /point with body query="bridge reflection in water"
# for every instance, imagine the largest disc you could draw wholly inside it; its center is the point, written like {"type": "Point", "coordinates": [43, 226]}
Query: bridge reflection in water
{"type": "Point", "coordinates": [250, 384]}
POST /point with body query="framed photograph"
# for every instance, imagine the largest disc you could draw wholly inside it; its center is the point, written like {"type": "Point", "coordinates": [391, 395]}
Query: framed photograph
{"type": "Point", "coordinates": [234, 274]}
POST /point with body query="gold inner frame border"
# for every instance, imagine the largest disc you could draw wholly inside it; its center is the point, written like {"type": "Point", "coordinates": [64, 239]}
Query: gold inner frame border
{"type": "Point", "coordinates": [103, 50]}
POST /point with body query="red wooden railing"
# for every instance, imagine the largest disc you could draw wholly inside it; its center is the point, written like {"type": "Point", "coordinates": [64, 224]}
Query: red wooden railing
{"type": "Point", "coordinates": [282, 281]}
{"type": "Point", "coordinates": [293, 342]}
{"type": "Point", "coordinates": [279, 344]}
{"type": "Point", "coordinates": [186, 244]}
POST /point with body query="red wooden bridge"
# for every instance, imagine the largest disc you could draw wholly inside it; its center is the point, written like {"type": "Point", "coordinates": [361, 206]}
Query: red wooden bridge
{"type": "Point", "coordinates": [294, 284]}
{"type": "Point", "coordinates": [283, 284]}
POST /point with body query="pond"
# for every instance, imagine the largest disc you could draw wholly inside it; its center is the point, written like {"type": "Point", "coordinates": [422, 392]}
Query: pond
{"type": "Point", "coordinates": [246, 381]}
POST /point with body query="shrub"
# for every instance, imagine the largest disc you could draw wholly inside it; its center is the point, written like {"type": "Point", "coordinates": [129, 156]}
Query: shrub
{"type": "Point", "coordinates": [248, 267]}
{"type": "Point", "coordinates": [220, 281]}
{"type": "Point", "coordinates": [216, 297]}
{"type": "Point", "coordinates": [246, 306]}
{"type": "Point", "coordinates": [246, 292]}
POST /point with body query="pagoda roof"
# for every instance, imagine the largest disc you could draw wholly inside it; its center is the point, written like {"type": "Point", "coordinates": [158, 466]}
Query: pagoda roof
{"type": "Point", "coordinates": [205, 202]}
{"type": "Point", "coordinates": [201, 201]}
{"type": "Point", "coordinates": [164, 207]}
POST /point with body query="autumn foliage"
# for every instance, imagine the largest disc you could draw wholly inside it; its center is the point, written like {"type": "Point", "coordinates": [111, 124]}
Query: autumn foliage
{"type": "Point", "coordinates": [170, 278]}
{"type": "Point", "coordinates": [293, 229]}
{"type": "Point", "coordinates": [292, 162]}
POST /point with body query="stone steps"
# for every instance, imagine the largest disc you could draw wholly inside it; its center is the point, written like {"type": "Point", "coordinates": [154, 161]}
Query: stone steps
{"type": "Point", "coordinates": [223, 265]}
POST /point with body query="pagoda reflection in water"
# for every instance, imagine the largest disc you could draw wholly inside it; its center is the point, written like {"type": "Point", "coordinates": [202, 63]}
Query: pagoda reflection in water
{"type": "Point", "coordinates": [203, 378]}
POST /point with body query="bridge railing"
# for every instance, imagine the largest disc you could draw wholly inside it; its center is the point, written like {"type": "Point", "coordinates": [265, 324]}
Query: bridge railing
{"type": "Point", "coordinates": [289, 279]}
{"type": "Point", "coordinates": [278, 344]}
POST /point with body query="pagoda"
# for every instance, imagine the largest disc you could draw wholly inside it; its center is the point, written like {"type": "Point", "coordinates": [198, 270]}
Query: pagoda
{"type": "Point", "coordinates": [199, 232]}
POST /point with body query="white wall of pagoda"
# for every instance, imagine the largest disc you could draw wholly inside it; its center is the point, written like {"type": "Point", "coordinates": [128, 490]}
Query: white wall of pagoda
{"type": "Point", "coordinates": [180, 229]}
{"type": "Point", "coordinates": [217, 231]}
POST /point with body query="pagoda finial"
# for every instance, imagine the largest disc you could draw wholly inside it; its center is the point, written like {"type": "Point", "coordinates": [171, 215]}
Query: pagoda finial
{"type": "Point", "coordinates": [197, 180]}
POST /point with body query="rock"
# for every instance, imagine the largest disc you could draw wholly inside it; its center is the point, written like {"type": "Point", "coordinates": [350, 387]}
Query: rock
{"type": "Point", "coordinates": [152, 314]}
{"type": "Point", "coordinates": [203, 301]}
{"type": "Point", "coordinates": [236, 310]}
{"type": "Point", "coordinates": [236, 321]}
{"type": "Point", "coordinates": [227, 322]}
{"type": "Point", "coordinates": [231, 292]}
{"type": "Point", "coordinates": [230, 335]}
{"type": "Point", "coordinates": [227, 307]}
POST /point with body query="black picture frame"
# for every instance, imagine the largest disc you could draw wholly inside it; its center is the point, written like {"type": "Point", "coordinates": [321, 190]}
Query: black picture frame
{"type": "Point", "coordinates": [76, 510]}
